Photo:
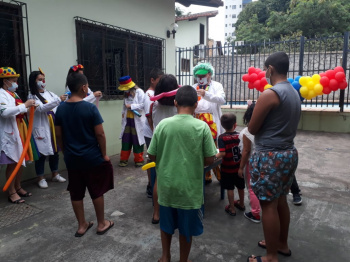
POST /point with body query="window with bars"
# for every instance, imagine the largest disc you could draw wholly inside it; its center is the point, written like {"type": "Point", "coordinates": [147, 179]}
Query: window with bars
{"type": "Point", "coordinates": [109, 52]}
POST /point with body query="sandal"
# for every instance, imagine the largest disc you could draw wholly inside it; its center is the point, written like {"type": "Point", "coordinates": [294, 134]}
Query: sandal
{"type": "Point", "coordinates": [18, 201]}
{"type": "Point", "coordinates": [279, 252]}
{"type": "Point", "coordinates": [258, 258]}
{"type": "Point", "coordinates": [238, 205]}
{"type": "Point", "coordinates": [27, 194]}
{"type": "Point", "coordinates": [228, 211]}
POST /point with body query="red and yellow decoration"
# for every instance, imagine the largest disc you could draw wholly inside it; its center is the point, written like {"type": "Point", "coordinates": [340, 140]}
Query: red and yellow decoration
{"type": "Point", "coordinates": [74, 68]}
{"type": "Point", "coordinates": [208, 118]}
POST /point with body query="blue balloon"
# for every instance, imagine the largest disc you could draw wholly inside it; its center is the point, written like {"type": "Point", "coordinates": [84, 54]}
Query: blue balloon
{"type": "Point", "coordinates": [296, 85]}
{"type": "Point", "coordinates": [297, 78]}
{"type": "Point", "coordinates": [290, 80]}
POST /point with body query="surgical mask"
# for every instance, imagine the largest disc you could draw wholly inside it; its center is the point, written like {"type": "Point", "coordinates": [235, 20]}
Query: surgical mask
{"type": "Point", "coordinates": [41, 85]}
{"type": "Point", "coordinates": [202, 81]}
{"type": "Point", "coordinates": [268, 78]}
{"type": "Point", "coordinates": [13, 87]}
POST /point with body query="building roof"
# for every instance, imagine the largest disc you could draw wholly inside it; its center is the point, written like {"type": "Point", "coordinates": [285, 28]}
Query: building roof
{"type": "Point", "coordinates": [195, 16]}
{"type": "Point", "coordinates": [211, 3]}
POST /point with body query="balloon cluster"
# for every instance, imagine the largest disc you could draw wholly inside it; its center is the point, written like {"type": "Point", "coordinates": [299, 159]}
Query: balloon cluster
{"type": "Point", "coordinates": [256, 79]}
{"type": "Point", "coordinates": [308, 87]}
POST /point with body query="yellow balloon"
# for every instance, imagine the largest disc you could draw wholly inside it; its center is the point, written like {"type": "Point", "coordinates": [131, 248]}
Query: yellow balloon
{"type": "Point", "coordinates": [318, 88]}
{"type": "Point", "coordinates": [316, 78]}
{"type": "Point", "coordinates": [304, 91]}
{"type": "Point", "coordinates": [312, 93]}
{"type": "Point", "coordinates": [310, 85]}
{"type": "Point", "coordinates": [267, 86]}
{"type": "Point", "coordinates": [148, 166]}
{"type": "Point", "coordinates": [304, 80]}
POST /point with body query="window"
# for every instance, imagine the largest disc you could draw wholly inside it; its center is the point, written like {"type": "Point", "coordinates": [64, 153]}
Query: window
{"type": "Point", "coordinates": [185, 65]}
{"type": "Point", "coordinates": [226, 7]}
{"type": "Point", "coordinates": [109, 52]}
{"type": "Point", "coordinates": [13, 52]}
{"type": "Point", "coordinates": [233, 25]}
{"type": "Point", "coordinates": [234, 7]}
{"type": "Point", "coordinates": [201, 33]}
{"type": "Point", "coordinates": [225, 25]}
{"type": "Point", "coordinates": [225, 16]}
{"type": "Point", "coordinates": [240, 6]}
{"type": "Point", "coordinates": [234, 16]}
{"type": "Point", "coordinates": [225, 34]}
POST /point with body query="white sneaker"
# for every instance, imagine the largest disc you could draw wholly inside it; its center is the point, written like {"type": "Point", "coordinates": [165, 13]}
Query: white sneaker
{"type": "Point", "coordinates": [58, 178]}
{"type": "Point", "coordinates": [42, 183]}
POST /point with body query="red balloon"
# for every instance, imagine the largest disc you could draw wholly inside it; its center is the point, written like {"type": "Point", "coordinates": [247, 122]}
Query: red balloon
{"type": "Point", "coordinates": [330, 74]}
{"type": "Point", "coordinates": [251, 85]}
{"type": "Point", "coordinates": [261, 74]}
{"type": "Point", "coordinates": [257, 84]}
{"type": "Point", "coordinates": [251, 70]}
{"type": "Point", "coordinates": [326, 90]}
{"type": "Point", "coordinates": [322, 74]}
{"type": "Point", "coordinates": [257, 71]}
{"type": "Point", "coordinates": [253, 77]}
{"type": "Point", "coordinates": [333, 85]}
{"type": "Point", "coordinates": [263, 82]}
{"type": "Point", "coordinates": [324, 81]}
{"type": "Point", "coordinates": [340, 76]}
{"type": "Point", "coordinates": [343, 85]}
{"type": "Point", "coordinates": [339, 69]}
{"type": "Point", "coordinates": [245, 78]}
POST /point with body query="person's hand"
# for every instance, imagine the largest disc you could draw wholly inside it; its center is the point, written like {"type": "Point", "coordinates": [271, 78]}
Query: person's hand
{"type": "Point", "coordinates": [122, 115]}
{"type": "Point", "coordinates": [98, 94]}
{"type": "Point", "coordinates": [201, 92]}
{"type": "Point", "coordinates": [240, 172]}
{"type": "Point", "coordinates": [29, 103]}
{"type": "Point", "coordinates": [128, 106]}
{"type": "Point", "coordinates": [63, 97]}
{"type": "Point", "coordinates": [106, 158]}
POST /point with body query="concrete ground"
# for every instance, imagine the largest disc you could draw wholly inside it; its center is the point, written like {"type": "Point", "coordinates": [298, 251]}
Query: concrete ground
{"type": "Point", "coordinates": [43, 228]}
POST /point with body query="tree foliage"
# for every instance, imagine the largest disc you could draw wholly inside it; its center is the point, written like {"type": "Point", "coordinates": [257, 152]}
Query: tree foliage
{"type": "Point", "coordinates": [275, 19]}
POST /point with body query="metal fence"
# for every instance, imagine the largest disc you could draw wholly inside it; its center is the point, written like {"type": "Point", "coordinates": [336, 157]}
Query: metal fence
{"type": "Point", "coordinates": [231, 62]}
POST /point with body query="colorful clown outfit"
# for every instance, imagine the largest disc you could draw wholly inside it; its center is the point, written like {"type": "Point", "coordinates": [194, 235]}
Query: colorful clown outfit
{"type": "Point", "coordinates": [132, 122]}
{"type": "Point", "coordinates": [13, 124]}
{"type": "Point", "coordinates": [209, 106]}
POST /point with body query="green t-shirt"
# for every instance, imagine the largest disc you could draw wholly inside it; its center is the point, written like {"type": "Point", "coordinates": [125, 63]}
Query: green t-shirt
{"type": "Point", "coordinates": [180, 144]}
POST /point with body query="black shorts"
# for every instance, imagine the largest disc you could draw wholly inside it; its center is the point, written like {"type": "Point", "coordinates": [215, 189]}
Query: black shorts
{"type": "Point", "coordinates": [98, 180]}
{"type": "Point", "coordinates": [229, 181]}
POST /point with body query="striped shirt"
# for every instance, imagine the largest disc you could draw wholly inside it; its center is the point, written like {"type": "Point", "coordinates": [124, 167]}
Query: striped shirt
{"type": "Point", "coordinates": [229, 143]}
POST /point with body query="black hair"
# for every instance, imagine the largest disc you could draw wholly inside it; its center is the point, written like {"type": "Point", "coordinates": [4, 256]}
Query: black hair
{"type": "Point", "coordinates": [279, 61]}
{"type": "Point", "coordinates": [155, 73]}
{"type": "Point", "coordinates": [1, 82]}
{"type": "Point", "coordinates": [71, 71]}
{"type": "Point", "coordinates": [228, 120]}
{"type": "Point", "coordinates": [166, 83]}
{"type": "Point", "coordinates": [186, 96]}
{"type": "Point", "coordinates": [75, 81]}
{"type": "Point", "coordinates": [33, 86]}
{"type": "Point", "coordinates": [248, 114]}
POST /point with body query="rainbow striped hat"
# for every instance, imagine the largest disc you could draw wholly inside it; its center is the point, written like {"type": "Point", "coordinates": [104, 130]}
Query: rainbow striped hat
{"type": "Point", "coordinates": [125, 83]}
{"type": "Point", "coordinates": [6, 72]}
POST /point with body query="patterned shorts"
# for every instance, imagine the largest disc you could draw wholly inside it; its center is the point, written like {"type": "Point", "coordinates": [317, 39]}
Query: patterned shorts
{"type": "Point", "coordinates": [272, 173]}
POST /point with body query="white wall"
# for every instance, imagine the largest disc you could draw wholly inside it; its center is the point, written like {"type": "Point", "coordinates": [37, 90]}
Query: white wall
{"type": "Point", "coordinates": [188, 32]}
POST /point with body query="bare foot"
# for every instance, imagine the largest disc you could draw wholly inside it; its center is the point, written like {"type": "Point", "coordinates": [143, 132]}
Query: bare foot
{"type": "Point", "coordinates": [84, 227]}
{"type": "Point", "coordinates": [284, 250]}
{"type": "Point", "coordinates": [253, 258]}
{"type": "Point", "coordinates": [15, 197]}
{"type": "Point", "coordinates": [105, 225]}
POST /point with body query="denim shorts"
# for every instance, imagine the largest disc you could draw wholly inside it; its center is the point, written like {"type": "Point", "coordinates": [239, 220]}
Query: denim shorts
{"type": "Point", "coordinates": [272, 173]}
{"type": "Point", "coordinates": [189, 222]}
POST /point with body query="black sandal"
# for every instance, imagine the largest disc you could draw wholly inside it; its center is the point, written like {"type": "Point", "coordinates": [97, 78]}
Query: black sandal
{"type": "Point", "coordinates": [28, 194]}
{"type": "Point", "coordinates": [18, 201]}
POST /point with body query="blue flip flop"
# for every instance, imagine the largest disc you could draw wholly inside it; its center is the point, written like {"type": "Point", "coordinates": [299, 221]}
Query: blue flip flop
{"type": "Point", "coordinates": [258, 258]}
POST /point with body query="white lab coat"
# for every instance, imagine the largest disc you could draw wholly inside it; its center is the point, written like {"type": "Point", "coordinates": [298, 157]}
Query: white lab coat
{"type": "Point", "coordinates": [90, 98]}
{"type": "Point", "coordinates": [41, 125]}
{"type": "Point", "coordinates": [213, 99]}
{"type": "Point", "coordinates": [138, 105]}
{"type": "Point", "coordinates": [10, 141]}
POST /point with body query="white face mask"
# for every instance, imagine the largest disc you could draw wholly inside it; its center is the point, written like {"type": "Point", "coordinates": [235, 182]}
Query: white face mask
{"type": "Point", "coordinates": [13, 86]}
{"type": "Point", "coordinates": [202, 81]}
{"type": "Point", "coordinates": [268, 78]}
{"type": "Point", "coordinates": [41, 85]}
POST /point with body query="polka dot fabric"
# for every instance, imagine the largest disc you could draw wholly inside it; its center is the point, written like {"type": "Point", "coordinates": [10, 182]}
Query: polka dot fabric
{"type": "Point", "coordinates": [6, 72]}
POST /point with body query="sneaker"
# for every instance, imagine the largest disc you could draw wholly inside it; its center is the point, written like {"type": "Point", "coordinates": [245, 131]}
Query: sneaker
{"type": "Point", "coordinates": [123, 163]}
{"type": "Point", "coordinates": [149, 191]}
{"type": "Point", "coordinates": [297, 199]}
{"type": "Point", "coordinates": [42, 183]}
{"type": "Point", "coordinates": [139, 164]}
{"type": "Point", "coordinates": [251, 217]}
{"type": "Point", "coordinates": [58, 178]}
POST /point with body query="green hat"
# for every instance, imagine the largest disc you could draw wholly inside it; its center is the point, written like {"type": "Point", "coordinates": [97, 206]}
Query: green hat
{"type": "Point", "coordinates": [203, 69]}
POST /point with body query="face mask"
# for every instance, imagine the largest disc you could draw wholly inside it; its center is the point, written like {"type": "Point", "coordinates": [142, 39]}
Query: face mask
{"type": "Point", "coordinates": [13, 87]}
{"type": "Point", "coordinates": [268, 78]}
{"type": "Point", "coordinates": [202, 81]}
{"type": "Point", "coordinates": [41, 85]}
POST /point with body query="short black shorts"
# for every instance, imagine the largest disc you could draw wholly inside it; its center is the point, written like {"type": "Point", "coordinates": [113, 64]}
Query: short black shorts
{"type": "Point", "coordinates": [98, 180]}
{"type": "Point", "coordinates": [229, 181]}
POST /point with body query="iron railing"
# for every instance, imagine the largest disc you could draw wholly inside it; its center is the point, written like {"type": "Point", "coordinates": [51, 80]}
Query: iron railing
{"type": "Point", "coordinates": [231, 62]}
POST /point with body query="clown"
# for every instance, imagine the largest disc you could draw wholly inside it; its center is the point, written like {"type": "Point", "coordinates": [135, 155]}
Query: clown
{"type": "Point", "coordinates": [132, 127]}
{"type": "Point", "coordinates": [211, 96]}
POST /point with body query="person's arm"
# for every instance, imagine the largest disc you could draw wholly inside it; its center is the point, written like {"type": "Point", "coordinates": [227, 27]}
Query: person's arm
{"type": "Point", "coordinates": [138, 103]}
{"type": "Point", "coordinates": [10, 111]}
{"type": "Point", "coordinates": [90, 98]}
{"type": "Point", "coordinates": [217, 97]}
{"type": "Point", "coordinates": [209, 160]}
{"type": "Point", "coordinates": [152, 157]}
{"type": "Point", "coordinates": [101, 139]}
{"type": "Point", "coordinates": [44, 108]}
{"type": "Point", "coordinates": [267, 101]}
{"type": "Point", "coordinates": [247, 144]}
{"type": "Point", "coordinates": [220, 155]}
{"type": "Point", "coordinates": [59, 138]}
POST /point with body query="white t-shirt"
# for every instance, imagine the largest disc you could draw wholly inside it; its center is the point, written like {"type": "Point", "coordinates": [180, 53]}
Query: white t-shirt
{"type": "Point", "coordinates": [160, 112]}
{"type": "Point", "coordinates": [147, 131]}
{"type": "Point", "coordinates": [249, 136]}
